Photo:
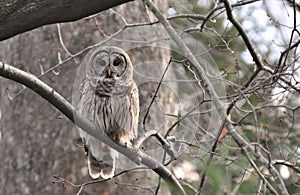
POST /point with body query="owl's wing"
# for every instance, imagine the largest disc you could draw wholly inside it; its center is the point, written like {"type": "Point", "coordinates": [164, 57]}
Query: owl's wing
{"type": "Point", "coordinates": [86, 105]}
{"type": "Point", "coordinates": [135, 109]}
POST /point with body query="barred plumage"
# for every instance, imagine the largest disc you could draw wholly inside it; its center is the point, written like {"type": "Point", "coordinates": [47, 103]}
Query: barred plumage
{"type": "Point", "coordinates": [109, 97]}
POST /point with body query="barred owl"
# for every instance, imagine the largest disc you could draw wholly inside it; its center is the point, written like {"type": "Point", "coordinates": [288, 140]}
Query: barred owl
{"type": "Point", "coordinates": [109, 98]}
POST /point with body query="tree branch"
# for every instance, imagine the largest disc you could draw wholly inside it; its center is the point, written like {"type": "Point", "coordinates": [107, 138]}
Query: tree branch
{"type": "Point", "coordinates": [23, 15]}
{"type": "Point", "coordinates": [247, 40]}
{"type": "Point", "coordinates": [244, 145]}
{"type": "Point", "coordinates": [69, 111]}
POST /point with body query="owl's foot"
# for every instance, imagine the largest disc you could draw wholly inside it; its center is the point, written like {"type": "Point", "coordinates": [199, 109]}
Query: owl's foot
{"type": "Point", "coordinates": [125, 141]}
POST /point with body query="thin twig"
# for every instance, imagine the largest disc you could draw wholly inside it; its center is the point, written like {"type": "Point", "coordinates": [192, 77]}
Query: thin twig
{"type": "Point", "coordinates": [216, 8]}
{"type": "Point", "coordinates": [293, 166]}
{"type": "Point", "coordinates": [62, 42]}
{"type": "Point", "coordinates": [141, 139]}
{"type": "Point", "coordinates": [158, 186]}
{"type": "Point", "coordinates": [208, 162]}
{"type": "Point", "coordinates": [134, 186]}
{"type": "Point", "coordinates": [164, 143]}
{"type": "Point", "coordinates": [156, 92]}
{"type": "Point", "coordinates": [247, 40]}
{"type": "Point", "coordinates": [262, 177]}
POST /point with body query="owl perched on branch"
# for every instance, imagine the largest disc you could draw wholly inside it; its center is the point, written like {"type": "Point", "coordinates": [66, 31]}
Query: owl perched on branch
{"type": "Point", "coordinates": [109, 98]}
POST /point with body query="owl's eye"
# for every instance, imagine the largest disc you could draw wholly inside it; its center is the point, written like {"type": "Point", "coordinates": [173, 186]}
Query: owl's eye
{"type": "Point", "coordinates": [102, 63]}
{"type": "Point", "coordinates": [117, 62]}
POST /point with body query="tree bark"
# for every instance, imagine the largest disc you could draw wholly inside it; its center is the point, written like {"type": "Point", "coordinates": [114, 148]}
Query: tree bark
{"type": "Point", "coordinates": [20, 16]}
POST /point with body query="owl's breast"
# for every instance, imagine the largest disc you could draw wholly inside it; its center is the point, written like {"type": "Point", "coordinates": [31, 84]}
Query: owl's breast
{"type": "Point", "coordinates": [114, 117]}
{"type": "Point", "coordinates": [105, 87]}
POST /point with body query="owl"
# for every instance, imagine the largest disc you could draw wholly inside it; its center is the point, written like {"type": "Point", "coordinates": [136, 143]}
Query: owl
{"type": "Point", "coordinates": [109, 98]}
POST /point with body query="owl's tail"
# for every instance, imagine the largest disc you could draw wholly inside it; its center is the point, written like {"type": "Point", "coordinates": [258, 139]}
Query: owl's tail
{"type": "Point", "coordinates": [104, 168]}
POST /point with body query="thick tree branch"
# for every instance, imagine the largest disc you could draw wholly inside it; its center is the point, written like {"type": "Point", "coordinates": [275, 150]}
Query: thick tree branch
{"type": "Point", "coordinates": [23, 15]}
{"type": "Point", "coordinates": [69, 111]}
{"type": "Point", "coordinates": [244, 145]}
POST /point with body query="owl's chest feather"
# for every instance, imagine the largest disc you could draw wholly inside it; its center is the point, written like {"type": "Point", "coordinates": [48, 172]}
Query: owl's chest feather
{"type": "Point", "coordinates": [115, 117]}
{"type": "Point", "coordinates": [113, 107]}
{"type": "Point", "coordinates": [105, 87]}
{"type": "Point", "coordinates": [109, 88]}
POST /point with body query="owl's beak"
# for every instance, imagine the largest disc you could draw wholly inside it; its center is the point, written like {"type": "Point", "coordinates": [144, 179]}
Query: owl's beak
{"type": "Point", "coordinates": [108, 72]}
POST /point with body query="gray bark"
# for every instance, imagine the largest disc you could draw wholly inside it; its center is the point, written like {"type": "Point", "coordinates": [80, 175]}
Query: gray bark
{"type": "Point", "coordinates": [20, 16]}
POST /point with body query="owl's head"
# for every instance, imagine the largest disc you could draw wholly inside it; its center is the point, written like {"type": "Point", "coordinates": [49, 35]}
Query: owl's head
{"type": "Point", "coordinates": [109, 63]}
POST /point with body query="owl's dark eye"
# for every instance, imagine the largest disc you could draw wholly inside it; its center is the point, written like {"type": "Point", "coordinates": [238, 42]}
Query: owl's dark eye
{"type": "Point", "coordinates": [117, 62]}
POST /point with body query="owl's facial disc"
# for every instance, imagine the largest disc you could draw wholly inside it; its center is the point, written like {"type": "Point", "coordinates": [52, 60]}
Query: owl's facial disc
{"type": "Point", "coordinates": [109, 65]}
